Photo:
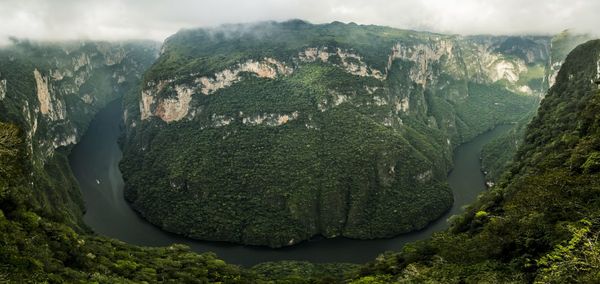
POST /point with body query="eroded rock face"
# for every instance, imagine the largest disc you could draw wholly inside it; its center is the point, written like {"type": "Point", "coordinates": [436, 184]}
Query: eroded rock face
{"type": "Point", "coordinates": [350, 61]}
{"type": "Point", "coordinates": [428, 61]}
{"type": "Point", "coordinates": [65, 140]}
{"type": "Point", "coordinates": [174, 109]}
{"type": "Point", "coordinates": [486, 65]}
{"type": "Point", "coordinates": [597, 70]}
{"type": "Point", "coordinates": [271, 119]}
{"type": "Point", "coordinates": [177, 107]}
{"type": "Point", "coordinates": [146, 104]}
{"type": "Point", "coordinates": [423, 56]}
{"type": "Point", "coordinates": [42, 92]}
{"type": "Point", "coordinates": [59, 101]}
{"type": "Point", "coordinates": [268, 68]}
{"type": "Point", "coordinates": [509, 70]}
{"type": "Point", "coordinates": [80, 61]}
{"type": "Point", "coordinates": [49, 106]}
{"type": "Point", "coordinates": [2, 89]}
{"type": "Point", "coordinates": [221, 80]}
{"type": "Point", "coordinates": [111, 54]}
{"type": "Point", "coordinates": [88, 99]}
{"type": "Point", "coordinates": [312, 54]}
{"type": "Point", "coordinates": [402, 105]}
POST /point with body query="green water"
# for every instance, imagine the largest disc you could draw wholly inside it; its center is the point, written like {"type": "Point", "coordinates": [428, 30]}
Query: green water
{"type": "Point", "coordinates": [95, 163]}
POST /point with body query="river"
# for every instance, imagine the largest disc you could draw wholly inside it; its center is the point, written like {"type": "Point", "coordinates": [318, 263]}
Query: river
{"type": "Point", "coordinates": [95, 164]}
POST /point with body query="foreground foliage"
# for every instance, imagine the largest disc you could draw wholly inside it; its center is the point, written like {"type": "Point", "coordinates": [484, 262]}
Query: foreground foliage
{"type": "Point", "coordinates": [34, 247]}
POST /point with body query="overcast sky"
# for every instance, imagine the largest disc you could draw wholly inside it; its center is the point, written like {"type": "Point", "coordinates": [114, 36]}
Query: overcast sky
{"type": "Point", "coordinates": [154, 19]}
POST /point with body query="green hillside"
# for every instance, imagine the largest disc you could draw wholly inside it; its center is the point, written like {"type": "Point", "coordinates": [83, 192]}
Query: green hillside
{"type": "Point", "coordinates": [271, 133]}
{"type": "Point", "coordinates": [541, 223]}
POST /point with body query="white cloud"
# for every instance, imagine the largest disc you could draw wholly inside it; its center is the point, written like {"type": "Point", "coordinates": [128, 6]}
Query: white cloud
{"type": "Point", "coordinates": [155, 19]}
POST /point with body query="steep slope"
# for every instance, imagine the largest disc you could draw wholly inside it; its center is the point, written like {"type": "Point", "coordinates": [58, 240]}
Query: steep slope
{"type": "Point", "coordinates": [49, 92]}
{"type": "Point", "coordinates": [497, 155]}
{"type": "Point", "coordinates": [541, 224]}
{"type": "Point", "coordinates": [561, 45]}
{"type": "Point", "coordinates": [52, 91]}
{"type": "Point", "coordinates": [272, 133]}
{"type": "Point", "coordinates": [36, 248]}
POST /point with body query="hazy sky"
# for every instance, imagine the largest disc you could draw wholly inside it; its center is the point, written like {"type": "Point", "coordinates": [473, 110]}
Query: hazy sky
{"type": "Point", "coordinates": [154, 19]}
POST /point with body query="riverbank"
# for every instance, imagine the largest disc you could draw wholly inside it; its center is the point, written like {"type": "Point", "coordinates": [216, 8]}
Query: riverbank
{"type": "Point", "coordinates": [95, 164]}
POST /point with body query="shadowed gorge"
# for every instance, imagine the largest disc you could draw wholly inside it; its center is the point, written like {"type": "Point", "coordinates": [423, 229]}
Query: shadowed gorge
{"type": "Point", "coordinates": [95, 159]}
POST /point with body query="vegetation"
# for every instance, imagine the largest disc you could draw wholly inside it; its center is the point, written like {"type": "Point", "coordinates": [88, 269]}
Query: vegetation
{"type": "Point", "coordinates": [497, 155]}
{"type": "Point", "coordinates": [362, 158]}
{"type": "Point", "coordinates": [207, 51]}
{"type": "Point", "coordinates": [39, 248]}
{"type": "Point", "coordinates": [540, 224]}
{"type": "Point", "coordinates": [69, 80]}
{"type": "Point", "coordinates": [276, 185]}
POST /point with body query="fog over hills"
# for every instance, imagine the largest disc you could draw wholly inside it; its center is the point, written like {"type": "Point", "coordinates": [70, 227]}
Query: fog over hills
{"type": "Point", "coordinates": [136, 19]}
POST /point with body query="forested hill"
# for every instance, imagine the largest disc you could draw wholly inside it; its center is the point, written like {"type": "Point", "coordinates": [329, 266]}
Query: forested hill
{"type": "Point", "coordinates": [271, 133]}
{"type": "Point", "coordinates": [498, 154]}
{"type": "Point", "coordinates": [542, 222]}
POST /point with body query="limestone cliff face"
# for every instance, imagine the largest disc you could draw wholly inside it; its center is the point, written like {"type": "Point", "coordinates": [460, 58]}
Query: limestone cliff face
{"type": "Point", "coordinates": [177, 105]}
{"type": "Point", "coordinates": [69, 83]}
{"type": "Point", "coordinates": [514, 62]}
{"type": "Point", "coordinates": [2, 89]}
{"type": "Point", "coordinates": [50, 106]}
{"type": "Point", "coordinates": [437, 56]}
{"type": "Point", "coordinates": [425, 55]}
{"type": "Point", "coordinates": [347, 60]}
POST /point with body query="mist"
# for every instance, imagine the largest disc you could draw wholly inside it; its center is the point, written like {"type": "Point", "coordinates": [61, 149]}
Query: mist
{"type": "Point", "coordinates": [139, 19]}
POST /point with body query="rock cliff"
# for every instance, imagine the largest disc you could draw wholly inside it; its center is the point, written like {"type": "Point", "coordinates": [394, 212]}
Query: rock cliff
{"type": "Point", "coordinates": [52, 91]}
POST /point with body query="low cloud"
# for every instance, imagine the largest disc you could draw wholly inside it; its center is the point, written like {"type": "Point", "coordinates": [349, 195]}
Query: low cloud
{"type": "Point", "coordinates": [155, 19]}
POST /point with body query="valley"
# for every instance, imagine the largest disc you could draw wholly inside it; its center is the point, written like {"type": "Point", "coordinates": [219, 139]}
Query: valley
{"type": "Point", "coordinates": [96, 158]}
{"type": "Point", "coordinates": [291, 152]}
{"type": "Point", "coordinates": [334, 130]}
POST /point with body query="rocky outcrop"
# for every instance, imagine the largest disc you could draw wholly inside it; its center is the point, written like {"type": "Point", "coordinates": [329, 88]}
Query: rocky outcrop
{"type": "Point", "coordinates": [271, 119]}
{"type": "Point", "coordinates": [423, 56]}
{"type": "Point", "coordinates": [175, 108]}
{"type": "Point", "coordinates": [429, 59]}
{"type": "Point", "coordinates": [80, 61]}
{"type": "Point", "coordinates": [402, 105]}
{"type": "Point", "coordinates": [66, 93]}
{"type": "Point", "coordinates": [598, 69]}
{"type": "Point", "coordinates": [268, 68]}
{"type": "Point", "coordinates": [502, 69]}
{"type": "Point", "coordinates": [349, 61]}
{"type": "Point", "coordinates": [2, 89]}
{"type": "Point", "coordinates": [49, 106]}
